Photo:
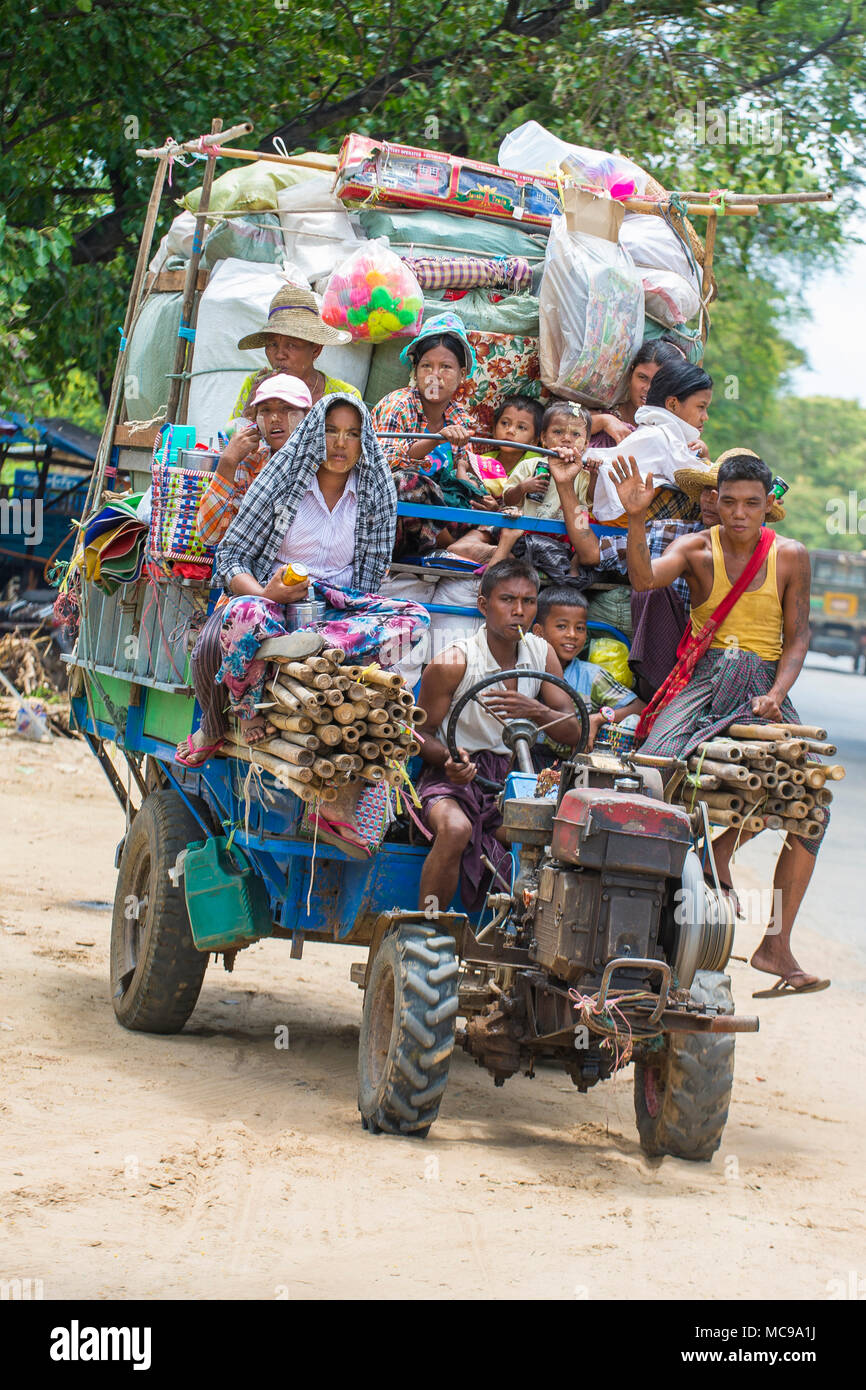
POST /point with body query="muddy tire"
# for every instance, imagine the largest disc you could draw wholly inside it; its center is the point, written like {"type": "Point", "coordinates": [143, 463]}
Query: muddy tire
{"type": "Point", "coordinates": [407, 1031]}
{"type": "Point", "coordinates": [682, 1093]}
{"type": "Point", "coordinates": [156, 971]}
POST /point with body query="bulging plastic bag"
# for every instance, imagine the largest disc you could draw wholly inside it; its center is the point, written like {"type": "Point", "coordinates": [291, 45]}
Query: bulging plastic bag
{"type": "Point", "coordinates": [533, 149]}
{"type": "Point", "coordinates": [373, 295]}
{"type": "Point", "coordinates": [669, 297]}
{"type": "Point", "coordinates": [613, 656]}
{"type": "Point", "coordinates": [591, 305]}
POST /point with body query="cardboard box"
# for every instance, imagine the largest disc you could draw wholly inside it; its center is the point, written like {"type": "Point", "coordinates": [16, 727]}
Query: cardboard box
{"type": "Point", "coordinates": [374, 171]}
{"type": "Point", "coordinates": [590, 213]}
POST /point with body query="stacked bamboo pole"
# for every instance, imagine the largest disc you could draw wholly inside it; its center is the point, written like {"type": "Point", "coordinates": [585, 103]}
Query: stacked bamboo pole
{"type": "Point", "coordinates": [764, 777]}
{"type": "Point", "coordinates": [335, 725]}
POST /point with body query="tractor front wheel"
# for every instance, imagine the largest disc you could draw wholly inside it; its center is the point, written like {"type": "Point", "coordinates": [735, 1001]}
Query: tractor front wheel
{"type": "Point", "coordinates": [682, 1093]}
{"type": "Point", "coordinates": [407, 1030]}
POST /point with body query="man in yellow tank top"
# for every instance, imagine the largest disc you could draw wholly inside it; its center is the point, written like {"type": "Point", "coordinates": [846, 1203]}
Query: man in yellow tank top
{"type": "Point", "coordinates": [755, 658]}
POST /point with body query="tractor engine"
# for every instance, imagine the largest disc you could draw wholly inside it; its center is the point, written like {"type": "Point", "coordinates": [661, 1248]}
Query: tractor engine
{"type": "Point", "coordinates": [601, 891]}
{"type": "Point", "coordinates": [607, 877]}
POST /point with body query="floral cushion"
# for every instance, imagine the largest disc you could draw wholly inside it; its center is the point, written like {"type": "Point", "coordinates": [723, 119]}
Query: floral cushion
{"type": "Point", "coordinates": [507, 366]}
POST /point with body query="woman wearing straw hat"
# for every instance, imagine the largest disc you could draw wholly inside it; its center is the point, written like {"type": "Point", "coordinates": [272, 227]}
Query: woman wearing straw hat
{"type": "Point", "coordinates": [292, 338]}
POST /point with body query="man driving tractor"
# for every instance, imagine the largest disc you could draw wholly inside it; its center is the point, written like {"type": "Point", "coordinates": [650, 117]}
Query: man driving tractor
{"type": "Point", "coordinates": [464, 815]}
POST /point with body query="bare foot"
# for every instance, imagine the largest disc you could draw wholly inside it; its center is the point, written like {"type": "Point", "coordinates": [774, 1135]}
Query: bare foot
{"type": "Point", "coordinates": [774, 959]}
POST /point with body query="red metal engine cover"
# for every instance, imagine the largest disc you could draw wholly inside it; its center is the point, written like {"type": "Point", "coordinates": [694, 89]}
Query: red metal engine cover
{"type": "Point", "coordinates": [595, 825]}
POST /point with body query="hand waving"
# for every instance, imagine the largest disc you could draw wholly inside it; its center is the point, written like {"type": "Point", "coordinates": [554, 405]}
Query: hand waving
{"type": "Point", "coordinates": [634, 493]}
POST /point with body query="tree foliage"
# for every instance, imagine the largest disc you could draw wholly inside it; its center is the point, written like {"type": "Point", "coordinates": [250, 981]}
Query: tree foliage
{"type": "Point", "coordinates": [818, 445]}
{"type": "Point", "coordinates": [85, 82]}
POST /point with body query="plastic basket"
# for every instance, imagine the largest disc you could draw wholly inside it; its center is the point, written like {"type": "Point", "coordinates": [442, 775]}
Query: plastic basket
{"type": "Point", "coordinates": [177, 493]}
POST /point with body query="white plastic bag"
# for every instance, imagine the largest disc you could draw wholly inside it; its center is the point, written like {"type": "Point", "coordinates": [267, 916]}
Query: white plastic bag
{"type": "Point", "coordinates": [651, 242]}
{"type": "Point", "coordinates": [532, 149]}
{"type": "Point", "coordinates": [670, 298]}
{"type": "Point", "coordinates": [592, 314]}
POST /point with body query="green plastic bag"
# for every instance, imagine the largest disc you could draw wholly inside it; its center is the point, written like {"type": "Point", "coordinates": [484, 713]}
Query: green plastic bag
{"type": "Point", "coordinates": [253, 187]}
{"type": "Point", "coordinates": [613, 656]}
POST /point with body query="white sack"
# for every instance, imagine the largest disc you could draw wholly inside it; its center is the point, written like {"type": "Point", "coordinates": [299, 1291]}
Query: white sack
{"type": "Point", "coordinates": [316, 227]}
{"type": "Point", "coordinates": [235, 302]}
{"type": "Point", "coordinates": [670, 298]}
{"type": "Point", "coordinates": [651, 242]}
{"type": "Point", "coordinates": [176, 242]}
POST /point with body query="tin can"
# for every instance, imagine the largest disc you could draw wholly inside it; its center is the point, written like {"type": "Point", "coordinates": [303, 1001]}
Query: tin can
{"type": "Point", "coordinates": [542, 469]}
{"type": "Point", "coordinates": [295, 574]}
{"type": "Point", "coordinates": [304, 614]}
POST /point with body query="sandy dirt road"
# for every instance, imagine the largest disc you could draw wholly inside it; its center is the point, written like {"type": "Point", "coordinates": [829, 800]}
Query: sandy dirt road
{"type": "Point", "coordinates": [214, 1164]}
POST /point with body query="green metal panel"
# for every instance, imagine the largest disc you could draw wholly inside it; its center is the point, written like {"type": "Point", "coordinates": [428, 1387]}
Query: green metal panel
{"type": "Point", "coordinates": [166, 716]}
{"type": "Point", "coordinates": [118, 691]}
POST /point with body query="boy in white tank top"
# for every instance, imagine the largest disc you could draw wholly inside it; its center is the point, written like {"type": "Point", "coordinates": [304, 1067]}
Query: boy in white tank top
{"type": "Point", "coordinates": [463, 816]}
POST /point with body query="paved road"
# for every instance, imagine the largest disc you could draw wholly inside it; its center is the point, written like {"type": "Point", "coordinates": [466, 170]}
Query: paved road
{"type": "Point", "coordinates": [830, 695]}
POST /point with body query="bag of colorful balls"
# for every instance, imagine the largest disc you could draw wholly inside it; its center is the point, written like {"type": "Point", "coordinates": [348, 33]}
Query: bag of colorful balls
{"type": "Point", "coordinates": [373, 295]}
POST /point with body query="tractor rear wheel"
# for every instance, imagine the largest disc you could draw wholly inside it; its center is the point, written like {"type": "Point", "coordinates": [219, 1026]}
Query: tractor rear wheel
{"type": "Point", "coordinates": [682, 1093]}
{"type": "Point", "coordinates": [407, 1030]}
{"type": "Point", "coordinates": [156, 971]}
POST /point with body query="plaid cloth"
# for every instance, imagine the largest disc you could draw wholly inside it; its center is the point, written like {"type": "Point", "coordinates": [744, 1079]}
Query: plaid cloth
{"type": "Point", "coordinates": [659, 535]}
{"type": "Point", "coordinates": [402, 410]}
{"type": "Point", "coordinates": [669, 504]}
{"type": "Point", "coordinates": [219, 506]}
{"type": "Point", "coordinates": [720, 693]}
{"type": "Point", "coordinates": [253, 540]}
{"type": "Point", "coordinates": [467, 273]}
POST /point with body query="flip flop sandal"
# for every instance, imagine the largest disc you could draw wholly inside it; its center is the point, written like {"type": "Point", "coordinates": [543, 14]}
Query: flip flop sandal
{"type": "Point", "coordinates": [783, 988]}
{"type": "Point", "coordinates": [204, 753]}
{"type": "Point", "coordinates": [326, 830]}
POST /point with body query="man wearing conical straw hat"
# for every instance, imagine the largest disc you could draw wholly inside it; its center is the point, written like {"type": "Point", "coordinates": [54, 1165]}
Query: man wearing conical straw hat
{"type": "Point", "coordinates": [293, 336]}
{"type": "Point", "coordinates": [748, 638]}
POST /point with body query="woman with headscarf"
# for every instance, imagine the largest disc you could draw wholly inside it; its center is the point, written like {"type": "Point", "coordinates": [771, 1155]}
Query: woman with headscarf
{"type": "Point", "coordinates": [425, 473]}
{"type": "Point", "coordinates": [292, 338]}
{"type": "Point", "coordinates": [327, 501]}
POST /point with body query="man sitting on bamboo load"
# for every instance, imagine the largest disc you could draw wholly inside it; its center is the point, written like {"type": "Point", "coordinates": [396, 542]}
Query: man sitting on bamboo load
{"type": "Point", "coordinates": [464, 817]}
{"type": "Point", "coordinates": [745, 647]}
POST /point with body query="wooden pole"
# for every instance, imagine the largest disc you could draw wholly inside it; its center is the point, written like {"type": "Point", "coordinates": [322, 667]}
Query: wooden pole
{"type": "Point", "coordinates": [707, 281]}
{"type": "Point", "coordinates": [194, 146]}
{"type": "Point", "coordinates": [178, 395]}
{"type": "Point", "coordinates": [103, 453]}
{"type": "Point", "coordinates": [302, 160]}
{"type": "Point", "coordinates": [762, 199]}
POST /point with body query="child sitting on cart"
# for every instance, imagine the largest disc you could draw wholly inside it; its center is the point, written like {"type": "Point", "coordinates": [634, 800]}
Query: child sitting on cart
{"type": "Point", "coordinates": [562, 621]}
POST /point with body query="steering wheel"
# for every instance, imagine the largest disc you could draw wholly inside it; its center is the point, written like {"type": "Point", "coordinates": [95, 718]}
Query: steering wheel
{"type": "Point", "coordinates": [515, 729]}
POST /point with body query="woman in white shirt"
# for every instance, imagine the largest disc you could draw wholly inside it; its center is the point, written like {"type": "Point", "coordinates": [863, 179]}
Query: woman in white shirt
{"type": "Point", "coordinates": [668, 437]}
{"type": "Point", "coordinates": [326, 501]}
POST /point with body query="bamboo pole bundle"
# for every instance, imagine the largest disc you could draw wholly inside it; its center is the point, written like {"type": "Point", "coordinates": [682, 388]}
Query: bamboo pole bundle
{"type": "Point", "coordinates": [766, 775]}
{"type": "Point", "coordinates": [776, 731]}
